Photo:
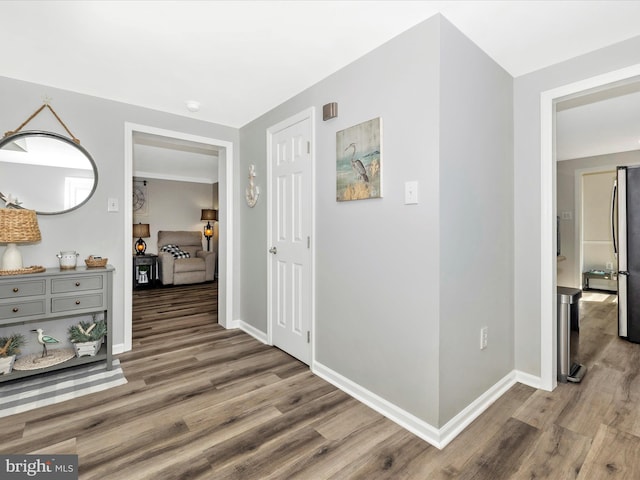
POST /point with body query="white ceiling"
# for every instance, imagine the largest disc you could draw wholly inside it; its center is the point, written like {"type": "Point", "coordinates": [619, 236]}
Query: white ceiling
{"type": "Point", "coordinates": [239, 59]}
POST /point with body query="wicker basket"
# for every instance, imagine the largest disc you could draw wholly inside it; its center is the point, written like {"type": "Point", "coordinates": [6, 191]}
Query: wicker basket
{"type": "Point", "coordinates": [96, 262]}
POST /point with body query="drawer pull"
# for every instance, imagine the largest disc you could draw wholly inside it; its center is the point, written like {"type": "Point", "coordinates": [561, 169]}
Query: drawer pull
{"type": "Point", "coordinates": [15, 310]}
{"type": "Point", "coordinates": [16, 290]}
{"type": "Point", "coordinates": [77, 284]}
{"type": "Point", "coordinates": [77, 302]}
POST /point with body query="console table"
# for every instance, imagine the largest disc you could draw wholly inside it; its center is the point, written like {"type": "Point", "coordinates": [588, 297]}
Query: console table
{"type": "Point", "coordinates": [56, 294]}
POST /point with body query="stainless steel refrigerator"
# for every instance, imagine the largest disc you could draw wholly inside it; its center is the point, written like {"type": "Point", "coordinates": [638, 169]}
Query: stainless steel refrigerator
{"type": "Point", "coordinates": [625, 216]}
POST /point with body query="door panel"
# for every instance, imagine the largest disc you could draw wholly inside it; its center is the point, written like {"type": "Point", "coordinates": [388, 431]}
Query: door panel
{"type": "Point", "coordinates": [291, 213]}
{"type": "Point", "coordinates": [633, 254]}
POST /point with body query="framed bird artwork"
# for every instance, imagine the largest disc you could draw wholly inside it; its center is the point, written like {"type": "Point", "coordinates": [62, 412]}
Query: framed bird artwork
{"type": "Point", "coordinates": [359, 161]}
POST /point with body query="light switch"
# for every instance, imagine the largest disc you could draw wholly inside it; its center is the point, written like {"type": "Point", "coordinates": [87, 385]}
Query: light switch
{"type": "Point", "coordinates": [410, 193]}
{"type": "Point", "coordinates": [112, 205]}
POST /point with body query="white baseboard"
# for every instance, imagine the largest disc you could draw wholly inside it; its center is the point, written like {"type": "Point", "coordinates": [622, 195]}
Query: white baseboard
{"type": "Point", "coordinates": [251, 330]}
{"type": "Point", "coordinates": [232, 324]}
{"type": "Point", "coordinates": [438, 437]}
{"type": "Point", "coordinates": [403, 418]}
{"type": "Point", "coordinates": [117, 348]}
{"type": "Point", "coordinates": [458, 423]}
{"type": "Point", "coordinates": [528, 379]}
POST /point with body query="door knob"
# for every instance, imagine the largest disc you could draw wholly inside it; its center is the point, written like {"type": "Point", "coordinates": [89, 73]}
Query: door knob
{"type": "Point", "coordinates": [273, 250]}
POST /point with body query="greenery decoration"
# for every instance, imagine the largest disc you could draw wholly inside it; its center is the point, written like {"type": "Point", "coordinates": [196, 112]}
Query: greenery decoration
{"type": "Point", "coordinates": [10, 346]}
{"type": "Point", "coordinates": [87, 331]}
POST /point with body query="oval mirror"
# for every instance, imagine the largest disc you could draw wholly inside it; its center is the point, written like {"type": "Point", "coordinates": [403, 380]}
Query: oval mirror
{"type": "Point", "coordinates": [45, 172]}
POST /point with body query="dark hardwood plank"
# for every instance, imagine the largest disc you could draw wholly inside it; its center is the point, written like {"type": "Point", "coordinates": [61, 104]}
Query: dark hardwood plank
{"type": "Point", "coordinates": [614, 454]}
{"type": "Point", "coordinates": [391, 459]}
{"type": "Point", "coordinates": [502, 455]}
{"type": "Point", "coordinates": [558, 454]}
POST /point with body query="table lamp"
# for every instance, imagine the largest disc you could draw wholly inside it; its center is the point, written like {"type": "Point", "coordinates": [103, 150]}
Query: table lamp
{"type": "Point", "coordinates": [208, 215]}
{"type": "Point", "coordinates": [17, 226]}
{"type": "Point", "coordinates": [141, 230]}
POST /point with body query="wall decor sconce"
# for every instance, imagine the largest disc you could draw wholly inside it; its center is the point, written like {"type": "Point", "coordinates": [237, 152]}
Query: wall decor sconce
{"type": "Point", "coordinates": [208, 215]}
{"type": "Point", "coordinates": [329, 111]}
{"type": "Point", "coordinates": [17, 226]}
{"type": "Point", "coordinates": [252, 192]}
{"type": "Point", "coordinates": [141, 230]}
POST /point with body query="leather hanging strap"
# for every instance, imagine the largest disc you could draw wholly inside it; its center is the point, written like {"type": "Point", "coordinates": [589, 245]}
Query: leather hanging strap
{"type": "Point", "coordinates": [35, 114]}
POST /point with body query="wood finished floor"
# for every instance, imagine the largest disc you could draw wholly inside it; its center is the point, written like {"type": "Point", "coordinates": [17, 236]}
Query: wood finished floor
{"type": "Point", "coordinates": [205, 402]}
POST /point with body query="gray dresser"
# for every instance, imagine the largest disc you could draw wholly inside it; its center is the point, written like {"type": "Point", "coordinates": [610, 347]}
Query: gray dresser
{"type": "Point", "coordinates": [55, 294]}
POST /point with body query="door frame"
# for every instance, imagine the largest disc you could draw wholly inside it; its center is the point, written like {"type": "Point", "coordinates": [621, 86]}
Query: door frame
{"type": "Point", "coordinates": [548, 273]}
{"type": "Point", "coordinates": [225, 223]}
{"type": "Point", "coordinates": [308, 113]}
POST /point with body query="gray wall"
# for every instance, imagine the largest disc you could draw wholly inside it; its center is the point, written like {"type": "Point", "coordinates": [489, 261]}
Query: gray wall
{"type": "Point", "coordinates": [527, 184]}
{"type": "Point", "coordinates": [382, 267]}
{"type": "Point", "coordinates": [476, 222]}
{"type": "Point", "coordinates": [174, 205]}
{"type": "Point", "coordinates": [99, 124]}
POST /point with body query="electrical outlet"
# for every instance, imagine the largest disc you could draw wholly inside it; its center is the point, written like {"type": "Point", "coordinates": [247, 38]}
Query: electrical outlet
{"type": "Point", "coordinates": [484, 334]}
{"type": "Point", "coordinates": [609, 266]}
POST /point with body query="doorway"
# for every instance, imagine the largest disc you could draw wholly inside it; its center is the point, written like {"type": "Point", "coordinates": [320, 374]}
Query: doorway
{"type": "Point", "coordinates": [225, 220]}
{"type": "Point", "coordinates": [587, 260]}
{"type": "Point", "coordinates": [548, 260]}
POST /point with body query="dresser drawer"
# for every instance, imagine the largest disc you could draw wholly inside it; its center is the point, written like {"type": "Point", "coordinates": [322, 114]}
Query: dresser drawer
{"type": "Point", "coordinates": [76, 284]}
{"type": "Point", "coordinates": [22, 289]}
{"type": "Point", "coordinates": [76, 302]}
{"type": "Point", "coordinates": [10, 311]}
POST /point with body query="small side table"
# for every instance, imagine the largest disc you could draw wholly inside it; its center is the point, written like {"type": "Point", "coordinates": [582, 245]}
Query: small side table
{"type": "Point", "coordinates": [145, 270]}
{"type": "Point", "coordinates": [598, 275]}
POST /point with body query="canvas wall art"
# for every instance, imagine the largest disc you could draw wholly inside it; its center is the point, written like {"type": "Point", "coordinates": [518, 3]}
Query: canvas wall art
{"type": "Point", "coordinates": [359, 161]}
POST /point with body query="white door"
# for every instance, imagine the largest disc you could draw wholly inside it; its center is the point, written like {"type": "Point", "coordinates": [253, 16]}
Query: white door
{"type": "Point", "coordinates": [290, 174]}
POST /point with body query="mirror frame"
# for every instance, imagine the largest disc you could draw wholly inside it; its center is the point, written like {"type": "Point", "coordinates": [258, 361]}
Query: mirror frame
{"type": "Point", "coordinates": [62, 138]}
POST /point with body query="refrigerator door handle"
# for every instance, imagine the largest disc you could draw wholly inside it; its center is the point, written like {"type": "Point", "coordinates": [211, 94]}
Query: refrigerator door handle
{"type": "Point", "coordinates": [622, 267]}
{"type": "Point", "coordinates": [614, 193]}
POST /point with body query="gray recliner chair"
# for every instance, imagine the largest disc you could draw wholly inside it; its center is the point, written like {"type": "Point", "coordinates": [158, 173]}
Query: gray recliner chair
{"type": "Point", "coordinates": [198, 268]}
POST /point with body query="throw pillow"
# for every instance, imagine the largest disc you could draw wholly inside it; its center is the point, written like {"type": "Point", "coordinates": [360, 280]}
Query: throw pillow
{"type": "Point", "coordinates": [175, 251]}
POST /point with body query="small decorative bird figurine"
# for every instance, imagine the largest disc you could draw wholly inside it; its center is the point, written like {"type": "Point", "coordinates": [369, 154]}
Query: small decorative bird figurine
{"type": "Point", "coordinates": [44, 340]}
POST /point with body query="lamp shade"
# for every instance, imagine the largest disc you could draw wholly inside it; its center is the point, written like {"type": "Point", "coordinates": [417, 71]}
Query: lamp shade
{"type": "Point", "coordinates": [209, 214]}
{"type": "Point", "coordinates": [18, 226]}
{"type": "Point", "coordinates": [141, 230]}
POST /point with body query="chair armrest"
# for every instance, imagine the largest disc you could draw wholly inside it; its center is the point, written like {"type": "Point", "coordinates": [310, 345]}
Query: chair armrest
{"type": "Point", "coordinates": [166, 262]}
{"type": "Point", "coordinates": [209, 262]}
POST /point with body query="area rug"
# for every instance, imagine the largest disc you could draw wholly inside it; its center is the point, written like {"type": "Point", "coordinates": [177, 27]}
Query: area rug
{"type": "Point", "coordinates": [54, 387]}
